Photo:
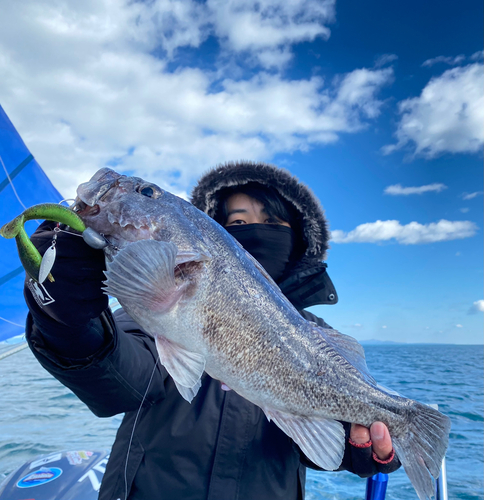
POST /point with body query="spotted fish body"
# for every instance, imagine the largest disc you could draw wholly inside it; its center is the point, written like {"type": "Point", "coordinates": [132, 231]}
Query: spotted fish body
{"type": "Point", "coordinates": [211, 307]}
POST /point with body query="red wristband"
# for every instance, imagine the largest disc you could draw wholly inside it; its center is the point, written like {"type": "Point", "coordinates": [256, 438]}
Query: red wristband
{"type": "Point", "coordinates": [387, 461]}
{"type": "Point", "coordinates": [360, 445]}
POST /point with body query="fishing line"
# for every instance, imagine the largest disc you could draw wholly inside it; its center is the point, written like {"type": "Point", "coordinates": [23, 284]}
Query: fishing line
{"type": "Point", "coordinates": [181, 271]}
{"type": "Point", "coordinates": [68, 232]}
{"type": "Point", "coordinates": [134, 426]}
{"type": "Point", "coordinates": [66, 200]}
{"type": "Point", "coordinates": [12, 323]}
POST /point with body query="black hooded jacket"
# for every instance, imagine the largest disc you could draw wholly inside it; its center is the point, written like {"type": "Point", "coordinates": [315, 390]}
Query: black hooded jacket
{"type": "Point", "coordinates": [219, 447]}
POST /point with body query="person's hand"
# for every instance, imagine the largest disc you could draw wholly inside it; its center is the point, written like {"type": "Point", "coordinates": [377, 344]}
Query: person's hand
{"type": "Point", "coordinates": [370, 450]}
{"type": "Point", "coordinates": [75, 296]}
{"type": "Point", "coordinates": [378, 435]}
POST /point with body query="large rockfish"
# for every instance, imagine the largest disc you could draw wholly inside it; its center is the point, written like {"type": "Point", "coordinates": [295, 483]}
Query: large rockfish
{"type": "Point", "coordinates": [211, 307]}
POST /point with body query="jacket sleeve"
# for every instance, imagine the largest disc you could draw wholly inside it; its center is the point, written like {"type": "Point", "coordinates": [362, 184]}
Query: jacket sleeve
{"type": "Point", "coordinates": [114, 379]}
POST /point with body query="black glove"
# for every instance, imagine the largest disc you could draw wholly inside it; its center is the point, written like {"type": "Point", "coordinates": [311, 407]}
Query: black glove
{"type": "Point", "coordinates": [66, 311]}
{"type": "Point", "coordinates": [360, 459]}
{"type": "Point", "coordinates": [75, 296]}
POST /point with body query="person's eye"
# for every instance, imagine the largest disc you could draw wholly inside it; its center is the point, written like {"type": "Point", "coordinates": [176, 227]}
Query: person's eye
{"type": "Point", "coordinates": [272, 220]}
{"type": "Point", "coordinates": [236, 222]}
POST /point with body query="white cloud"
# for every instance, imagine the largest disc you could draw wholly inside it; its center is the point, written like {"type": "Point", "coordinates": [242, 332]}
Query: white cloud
{"type": "Point", "coordinates": [263, 30]}
{"type": "Point", "coordinates": [458, 326]}
{"type": "Point", "coordinates": [167, 24]}
{"type": "Point", "coordinates": [274, 58]}
{"type": "Point", "coordinates": [261, 24]}
{"type": "Point", "coordinates": [470, 196]}
{"type": "Point", "coordinates": [452, 61]}
{"type": "Point", "coordinates": [477, 306]}
{"type": "Point", "coordinates": [448, 116]}
{"type": "Point", "coordinates": [408, 234]}
{"type": "Point", "coordinates": [398, 189]}
{"type": "Point", "coordinates": [477, 55]}
{"type": "Point", "coordinates": [464, 210]}
{"type": "Point", "coordinates": [385, 59]}
{"type": "Point", "coordinates": [81, 83]}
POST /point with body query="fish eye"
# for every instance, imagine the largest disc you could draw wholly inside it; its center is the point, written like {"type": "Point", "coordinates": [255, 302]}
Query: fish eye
{"type": "Point", "coordinates": [147, 191]}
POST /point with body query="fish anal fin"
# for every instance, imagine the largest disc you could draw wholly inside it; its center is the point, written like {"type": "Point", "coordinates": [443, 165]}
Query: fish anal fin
{"type": "Point", "coordinates": [321, 440]}
{"type": "Point", "coordinates": [185, 367]}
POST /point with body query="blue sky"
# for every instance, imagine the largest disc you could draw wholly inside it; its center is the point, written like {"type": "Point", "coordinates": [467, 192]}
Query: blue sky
{"type": "Point", "coordinates": [377, 105]}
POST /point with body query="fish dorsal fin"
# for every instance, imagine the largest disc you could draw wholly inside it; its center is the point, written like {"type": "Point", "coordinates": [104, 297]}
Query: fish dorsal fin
{"type": "Point", "coordinates": [185, 367]}
{"type": "Point", "coordinates": [321, 440]}
{"type": "Point", "coordinates": [348, 347]}
{"type": "Point", "coordinates": [389, 391]}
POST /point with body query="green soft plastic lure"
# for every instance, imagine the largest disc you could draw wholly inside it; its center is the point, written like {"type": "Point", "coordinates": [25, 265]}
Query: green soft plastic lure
{"type": "Point", "coordinates": [29, 255]}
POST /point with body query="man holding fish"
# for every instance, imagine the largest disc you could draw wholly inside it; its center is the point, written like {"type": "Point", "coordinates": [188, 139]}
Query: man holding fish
{"type": "Point", "coordinates": [185, 433]}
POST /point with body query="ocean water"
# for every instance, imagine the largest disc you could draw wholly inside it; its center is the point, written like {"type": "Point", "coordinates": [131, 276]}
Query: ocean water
{"type": "Point", "coordinates": [38, 415]}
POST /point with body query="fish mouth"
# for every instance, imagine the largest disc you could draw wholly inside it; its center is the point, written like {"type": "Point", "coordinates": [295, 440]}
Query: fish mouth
{"type": "Point", "coordinates": [84, 210]}
{"type": "Point", "coordinates": [142, 224]}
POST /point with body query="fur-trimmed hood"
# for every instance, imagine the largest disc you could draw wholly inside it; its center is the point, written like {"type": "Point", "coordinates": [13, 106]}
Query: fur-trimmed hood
{"type": "Point", "coordinates": [314, 225]}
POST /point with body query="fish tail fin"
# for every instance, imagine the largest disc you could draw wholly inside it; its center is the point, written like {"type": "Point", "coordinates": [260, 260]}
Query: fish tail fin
{"type": "Point", "coordinates": [423, 448]}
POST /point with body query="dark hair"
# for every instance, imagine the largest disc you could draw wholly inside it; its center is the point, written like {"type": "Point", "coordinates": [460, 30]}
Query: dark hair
{"type": "Point", "coordinates": [275, 206]}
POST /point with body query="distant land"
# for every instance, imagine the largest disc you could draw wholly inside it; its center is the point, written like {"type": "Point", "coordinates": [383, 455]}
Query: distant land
{"type": "Point", "coordinates": [393, 343]}
{"type": "Point", "coordinates": [380, 342]}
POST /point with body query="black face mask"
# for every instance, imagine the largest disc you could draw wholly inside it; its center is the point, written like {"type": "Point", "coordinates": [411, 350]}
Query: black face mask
{"type": "Point", "coordinates": [270, 244]}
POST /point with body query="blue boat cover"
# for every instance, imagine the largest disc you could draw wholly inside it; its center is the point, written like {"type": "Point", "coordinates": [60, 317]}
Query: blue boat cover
{"type": "Point", "coordinates": [22, 184]}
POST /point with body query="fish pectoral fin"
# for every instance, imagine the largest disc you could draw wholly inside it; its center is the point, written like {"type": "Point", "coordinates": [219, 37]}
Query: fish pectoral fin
{"type": "Point", "coordinates": [321, 440]}
{"type": "Point", "coordinates": [142, 273]}
{"type": "Point", "coordinates": [185, 367]}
